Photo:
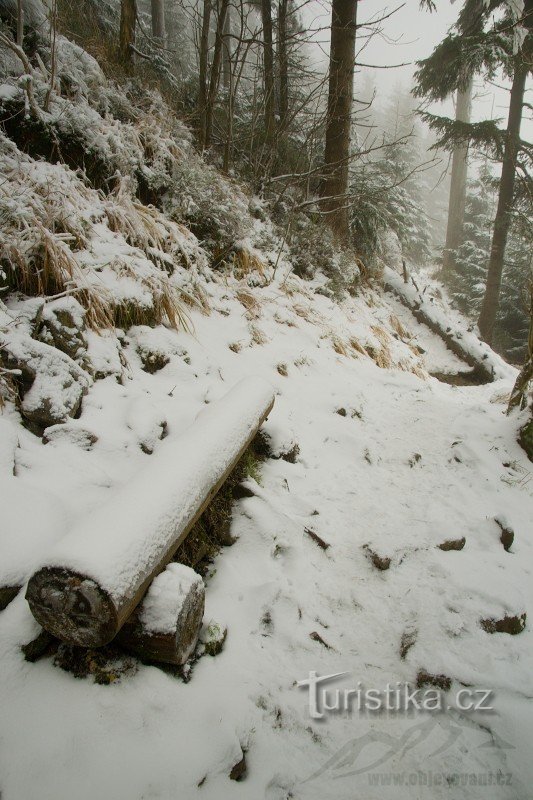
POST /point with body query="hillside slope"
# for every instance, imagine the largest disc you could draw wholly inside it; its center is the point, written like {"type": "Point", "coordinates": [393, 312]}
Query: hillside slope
{"type": "Point", "coordinates": [390, 464]}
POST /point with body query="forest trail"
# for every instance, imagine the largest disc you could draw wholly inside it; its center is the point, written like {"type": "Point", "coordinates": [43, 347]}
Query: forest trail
{"type": "Point", "coordinates": [387, 460]}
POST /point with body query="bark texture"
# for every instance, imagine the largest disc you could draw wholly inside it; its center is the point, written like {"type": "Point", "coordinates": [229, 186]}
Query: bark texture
{"type": "Point", "coordinates": [338, 127]}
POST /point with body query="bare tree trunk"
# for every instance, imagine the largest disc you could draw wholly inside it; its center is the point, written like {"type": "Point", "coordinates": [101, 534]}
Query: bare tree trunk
{"type": "Point", "coordinates": [283, 64]}
{"type": "Point", "coordinates": [226, 51]}
{"type": "Point", "coordinates": [334, 188]}
{"type": "Point", "coordinates": [268, 66]}
{"type": "Point", "coordinates": [204, 53]}
{"type": "Point", "coordinates": [20, 23]}
{"type": "Point", "coordinates": [128, 19]}
{"type": "Point", "coordinates": [159, 30]}
{"type": "Point", "coordinates": [456, 206]}
{"type": "Point", "coordinates": [502, 222]}
{"type": "Point", "coordinates": [215, 71]}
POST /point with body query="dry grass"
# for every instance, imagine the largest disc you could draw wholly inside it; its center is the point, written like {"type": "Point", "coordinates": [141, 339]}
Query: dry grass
{"type": "Point", "coordinates": [250, 303]}
{"type": "Point", "coordinates": [161, 239]}
{"type": "Point", "coordinates": [240, 260]}
{"type": "Point", "coordinates": [397, 326]}
{"type": "Point", "coordinates": [49, 220]}
{"type": "Point", "coordinates": [258, 337]}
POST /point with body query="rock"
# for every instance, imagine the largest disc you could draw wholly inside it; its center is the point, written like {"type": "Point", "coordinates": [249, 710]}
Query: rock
{"type": "Point", "coordinates": [153, 360]}
{"type": "Point", "coordinates": [7, 594]}
{"type": "Point", "coordinates": [290, 455]}
{"type": "Point", "coordinates": [380, 562]}
{"type": "Point", "coordinates": [147, 422]}
{"type": "Point", "coordinates": [213, 638]}
{"type": "Point", "coordinates": [63, 326]}
{"type": "Point", "coordinates": [69, 432]}
{"type": "Point", "coordinates": [453, 544]}
{"type": "Point", "coordinates": [105, 355]}
{"type": "Point", "coordinates": [439, 681]}
{"type": "Point", "coordinates": [512, 625]}
{"type": "Point", "coordinates": [341, 412]}
{"type": "Point", "coordinates": [238, 772]}
{"type": "Point", "coordinates": [51, 384]}
{"type": "Point", "coordinates": [45, 644]}
{"type": "Point", "coordinates": [507, 533]}
{"type": "Point", "coordinates": [282, 369]}
{"type": "Point", "coordinates": [526, 438]}
{"type": "Point", "coordinates": [407, 641]}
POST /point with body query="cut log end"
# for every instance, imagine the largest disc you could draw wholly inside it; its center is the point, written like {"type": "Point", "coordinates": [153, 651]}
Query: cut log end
{"type": "Point", "coordinates": [177, 642]}
{"type": "Point", "coordinates": [72, 607]}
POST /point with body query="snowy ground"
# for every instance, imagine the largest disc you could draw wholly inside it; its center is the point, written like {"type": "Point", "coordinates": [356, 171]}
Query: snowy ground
{"type": "Point", "coordinates": [412, 463]}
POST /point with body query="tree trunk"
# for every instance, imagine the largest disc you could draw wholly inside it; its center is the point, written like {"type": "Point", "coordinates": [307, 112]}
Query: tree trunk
{"type": "Point", "coordinates": [128, 19]}
{"type": "Point", "coordinates": [158, 20]}
{"type": "Point", "coordinates": [334, 188]}
{"type": "Point", "coordinates": [489, 308]}
{"type": "Point", "coordinates": [215, 71]}
{"type": "Point", "coordinates": [226, 51]}
{"type": "Point", "coordinates": [203, 65]}
{"type": "Point", "coordinates": [283, 64]}
{"type": "Point", "coordinates": [456, 206]}
{"type": "Point", "coordinates": [268, 67]}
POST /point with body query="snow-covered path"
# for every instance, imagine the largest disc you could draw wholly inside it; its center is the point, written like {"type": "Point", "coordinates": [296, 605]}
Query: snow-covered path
{"type": "Point", "coordinates": [412, 463]}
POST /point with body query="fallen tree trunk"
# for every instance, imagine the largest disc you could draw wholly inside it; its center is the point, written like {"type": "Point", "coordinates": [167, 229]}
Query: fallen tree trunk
{"type": "Point", "coordinates": [96, 576]}
{"type": "Point", "coordinates": [166, 625]}
{"type": "Point", "coordinates": [487, 365]}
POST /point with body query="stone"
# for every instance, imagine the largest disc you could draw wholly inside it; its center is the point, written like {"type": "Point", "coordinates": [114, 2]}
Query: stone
{"type": "Point", "coordinates": [238, 771]}
{"type": "Point", "coordinates": [51, 384]}
{"type": "Point", "coordinates": [452, 544]}
{"type": "Point", "coordinates": [438, 681]}
{"type": "Point", "coordinates": [63, 326]}
{"type": "Point", "coordinates": [213, 638]}
{"type": "Point", "coordinates": [512, 625]}
{"type": "Point", "coordinates": [526, 438]}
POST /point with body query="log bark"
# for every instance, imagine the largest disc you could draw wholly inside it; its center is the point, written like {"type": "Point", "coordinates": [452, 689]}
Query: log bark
{"type": "Point", "coordinates": [334, 190]}
{"type": "Point", "coordinates": [166, 625]}
{"type": "Point", "coordinates": [95, 577]}
{"type": "Point", "coordinates": [457, 200]}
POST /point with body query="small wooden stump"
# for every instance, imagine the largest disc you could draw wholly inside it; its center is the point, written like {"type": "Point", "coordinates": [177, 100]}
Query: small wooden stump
{"type": "Point", "coordinates": [166, 625]}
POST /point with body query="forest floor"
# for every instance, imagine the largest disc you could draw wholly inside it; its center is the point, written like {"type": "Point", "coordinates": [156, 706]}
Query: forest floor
{"type": "Point", "coordinates": [391, 464]}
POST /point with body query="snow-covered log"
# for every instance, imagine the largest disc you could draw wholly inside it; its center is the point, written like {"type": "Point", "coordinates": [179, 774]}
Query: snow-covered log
{"type": "Point", "coordinates": [488, 366]}
{"type": "Point", "coordinates": [96, 576]}
{"type": "Point", "coordinates": [166, 625]}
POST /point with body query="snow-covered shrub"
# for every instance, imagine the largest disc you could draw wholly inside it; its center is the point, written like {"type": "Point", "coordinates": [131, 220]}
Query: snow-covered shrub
{"type": "Point", "coordinates": [313, 249]}
{"type": "Point", "coordinates": [126, 263]}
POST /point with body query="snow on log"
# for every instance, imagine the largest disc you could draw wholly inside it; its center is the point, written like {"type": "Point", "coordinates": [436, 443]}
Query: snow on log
{"type": "Point", "coordinates": [488, 366]}
{"type": "Point", "coordinates": [166, 625]}
{"type": "Point", "coordinates": [95, 577]}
